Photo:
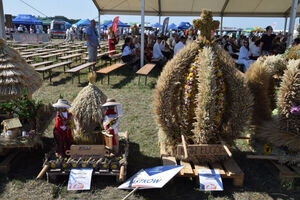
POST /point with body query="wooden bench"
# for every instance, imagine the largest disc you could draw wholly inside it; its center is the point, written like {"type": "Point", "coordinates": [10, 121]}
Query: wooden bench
{"type": "Point", "coordinates": [109, 69]}
{"type": "Point", "coordinates": [50, 67]}
{"type": "Point", "coordinates": [76, 56]}
{"type": "Point", "coordinates": [34, 55]}
{"type": "Point", "coordinates": [51, 55]}
{"type": "Point", "coordinates": [116, 57]}
{"type": "Point", "coordinates": [42, 63]}
{"type": "Point", "coordinates": [77, 69]}
{"type": "Point", "coordinates": [145, 70]}
{"type": "Point", "coordinates": [29, 61]}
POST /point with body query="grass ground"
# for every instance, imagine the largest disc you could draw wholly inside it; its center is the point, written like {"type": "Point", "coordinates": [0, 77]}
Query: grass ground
{"type": "Point", "coordinates": [138, 120]}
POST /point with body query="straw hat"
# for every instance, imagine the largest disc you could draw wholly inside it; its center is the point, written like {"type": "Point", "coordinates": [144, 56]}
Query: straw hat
{"type": "Point", "coordinates": [110, 102]}
{"type": "Point", "coordinates": [61, 103]}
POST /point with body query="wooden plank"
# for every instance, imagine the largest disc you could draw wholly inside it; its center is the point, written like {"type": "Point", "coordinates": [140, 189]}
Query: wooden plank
{"type": "Point", "coordinates": [53, 66]}
{"type": "Point", "coordinates": [284, 170]}
{"type": "Point", "coordinates": [296, 169]}
{"type": "Point", "coordinates": [263, 157]}
{"type": "Point", "coordinates": [42, 63]}
{"type": "Point", "coordinates": [80, 67]}
{"type": "Point", "coordinates": [232, 167]}
{"type": "Point", "coordinates": [234, 171]}
{"type": "Point", "coordinates": [146, 69]}
{"type": "Point", "coordinates": [86, 151]}
{"type": "Point", "coordinates": [203, 149]}
{"type": "Point", "coordinates": [6, 163]}
{"type": "Point", "coordinates": [168, 160]}
{"type": "Point", "coordinates": [187, 170]}
{"type": "Point", "coordinates": [111, 68]}
{"type": "Point", "coordinates": [200, 166]}
{"type": "Point", "coordinates": [218, 166]}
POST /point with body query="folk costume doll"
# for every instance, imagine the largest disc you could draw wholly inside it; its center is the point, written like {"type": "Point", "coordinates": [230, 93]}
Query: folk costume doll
{"type": "Point", "coordinates": [113, 111]}
{"type": "Point", "coordinates": [62, 131]}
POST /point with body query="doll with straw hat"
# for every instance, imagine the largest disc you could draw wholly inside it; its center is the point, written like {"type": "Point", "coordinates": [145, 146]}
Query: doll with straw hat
{"type": "Point", "coordinates": [113, 111]}
{"type": "Point", "coordinates": [62, 131]}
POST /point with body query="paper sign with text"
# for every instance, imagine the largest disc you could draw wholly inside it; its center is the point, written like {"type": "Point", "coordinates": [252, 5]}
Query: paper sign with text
{"type": "Point", "coordinates": [210, 180]}
{"type": "Point", "coordinates": [80, 179]}
{"type": "Point", "coordinates": [155, 177]}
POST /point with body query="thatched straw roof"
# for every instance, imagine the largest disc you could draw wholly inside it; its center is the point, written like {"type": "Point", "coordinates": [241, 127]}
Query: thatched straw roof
{"type": "Point", "coordinates": [86, 108]}
{"type": "Point", "coordinates": [15, 74]}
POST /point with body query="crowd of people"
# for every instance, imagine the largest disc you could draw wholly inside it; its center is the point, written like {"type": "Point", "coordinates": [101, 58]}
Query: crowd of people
{"type": "Point", "coordinates": [244, 48]}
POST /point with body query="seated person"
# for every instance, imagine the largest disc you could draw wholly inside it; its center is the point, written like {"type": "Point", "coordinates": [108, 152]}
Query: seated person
{"type": "Point", "coordinates": [128, 52]}
{"type": "Point", "coordinates": [244, 55]}
{"type": "Point", "coordinates": [254, 50]}
{"type": "Point", "coordinates": [157, 54]}
{"type": "Point", "coordinates": [179, 45]}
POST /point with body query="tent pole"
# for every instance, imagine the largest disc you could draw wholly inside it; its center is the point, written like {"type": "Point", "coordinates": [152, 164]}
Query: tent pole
{"type": "Point", "coordinates": [285, 23]}
{"type": "Point", "coordinates": [2, 30]}
{"type": "Point", "coordinates": [292, 22]}
{"type": "Point", "coordinates": [221, 26]}
{"type": "Point", "coordinates": [99, 14]}
{"type": "Point", "coordinates": [142, 32]}
{"type": "Point", "coordinates": [159, 22]}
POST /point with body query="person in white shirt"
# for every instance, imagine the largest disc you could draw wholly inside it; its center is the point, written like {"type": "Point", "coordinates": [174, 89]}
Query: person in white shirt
{"type": "Point", "coordinates": [254, 49]}
{"type": "Point", "coordinates": [157, 54]}
{"type": "Point", "coordinates": [20, 29]}
{"type": "Point", "coordinates": [179, 45]}
{"type": "Point", "coordinates": [129, 53]}
{"type": "Point", "coordinates": [244, 56]}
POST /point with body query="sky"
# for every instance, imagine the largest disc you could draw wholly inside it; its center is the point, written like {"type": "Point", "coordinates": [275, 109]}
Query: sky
{"type": "Point", "coordinates": [83, 9]}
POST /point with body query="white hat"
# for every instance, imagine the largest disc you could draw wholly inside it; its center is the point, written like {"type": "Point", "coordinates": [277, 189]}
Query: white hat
{"type": "Point", "coordinates": [110, 102]}
{"type": "Point", "coordinates": [61, 103]}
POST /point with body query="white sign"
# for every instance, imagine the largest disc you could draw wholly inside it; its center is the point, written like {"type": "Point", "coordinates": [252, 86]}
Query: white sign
{"type": "Point", "coordinates": [80, 179]}
{"type": "Point", "coordinates": [155, 177]}
{"type": "Point", "coordinates": [210, 180]}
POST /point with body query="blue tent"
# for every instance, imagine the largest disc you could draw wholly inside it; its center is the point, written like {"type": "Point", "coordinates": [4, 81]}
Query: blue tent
{"type": "Point", "coordinates": [108, 24]}
{"type": "Point", "coordinates": [172, 26]}
{"type": "Point", "coordinates": [68, 25]}
{"type": "Point", "coordinates": [156, 25]}
{"type": "Point", "coordinates": [26, 20]}
{"type": "Point", "coordinates": [184, 25]}
{"type": "Point", "coordinates": [83, 22]}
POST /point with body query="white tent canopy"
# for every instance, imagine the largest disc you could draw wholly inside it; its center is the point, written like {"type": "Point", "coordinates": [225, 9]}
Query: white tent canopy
{"type": "Point", "coordinates": [228, 8]}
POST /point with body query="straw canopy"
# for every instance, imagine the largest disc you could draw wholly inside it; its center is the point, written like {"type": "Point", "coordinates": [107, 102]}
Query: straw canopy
{"type": "Point", "coordinates": [15, 74]}
{"type": "Point", "coordinates": [87, 109]}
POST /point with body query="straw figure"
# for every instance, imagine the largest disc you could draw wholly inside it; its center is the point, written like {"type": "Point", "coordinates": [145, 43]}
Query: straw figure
{"type": "Point", "coordinates": [261, 82]}
{"type": "Point", "coordinates": [293, 53]}
{"type": "Point", "coordinates": [277, 125]}
{"type": "Point", "coordinates": [206, 24]}
{"type": "Point", "coordinates": [15, 74]}
{"type": "Point", "coordinates": [87, 110]}
{"type": "Point", "coordinates": [202, 96]}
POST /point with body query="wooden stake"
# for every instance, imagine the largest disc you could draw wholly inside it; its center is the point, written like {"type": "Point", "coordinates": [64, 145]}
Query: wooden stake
{"type": "Point", "coordinates": [128, 195]}
{"type": "Point", "coordinates": [184, 146]}
{"type": "Point", "coordinates": [44, 170]}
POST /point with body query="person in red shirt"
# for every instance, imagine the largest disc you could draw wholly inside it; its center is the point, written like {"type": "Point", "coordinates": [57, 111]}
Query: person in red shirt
{"type": "Point", "coordinates": [62, 131]}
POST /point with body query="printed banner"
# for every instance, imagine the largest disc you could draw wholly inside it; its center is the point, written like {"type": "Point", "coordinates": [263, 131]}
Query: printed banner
{"type": "Point", "coordinates": [30, 38]}
{"type": "Point", "coordinates": [210, 180]}
{"type": "Point", "coordinates": [115, 25]}
{"type": "Point", "coordinates": [80, 179]}
{"type": "Point", "coordinates": [165, 26]}
{"type": "Point", "coordinates": [155, 177]}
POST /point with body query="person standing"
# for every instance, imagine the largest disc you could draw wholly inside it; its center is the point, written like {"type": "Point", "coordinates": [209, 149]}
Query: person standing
{"type": "Point", "coordinates": [265, 45]}
{"type": "Point", "coordinates": [92, 43]}
{"type": "Point", "coordinates": [111, 40]}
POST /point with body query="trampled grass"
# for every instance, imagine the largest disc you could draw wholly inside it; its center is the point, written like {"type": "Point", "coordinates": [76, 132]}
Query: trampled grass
{"type": "Point", "coordinates": [138, 120]}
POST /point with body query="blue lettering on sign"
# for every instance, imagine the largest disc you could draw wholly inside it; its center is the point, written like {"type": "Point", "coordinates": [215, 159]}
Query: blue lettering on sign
{"type": "Point", "coordinates": [138, 181]}
{"type": "Point", "coordinates": [160, 169]}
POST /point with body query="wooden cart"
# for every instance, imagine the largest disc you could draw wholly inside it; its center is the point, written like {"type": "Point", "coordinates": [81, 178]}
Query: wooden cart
{"type": "Point", "coordinates": [109, 169]}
